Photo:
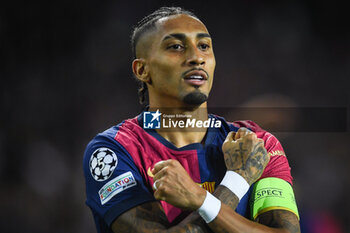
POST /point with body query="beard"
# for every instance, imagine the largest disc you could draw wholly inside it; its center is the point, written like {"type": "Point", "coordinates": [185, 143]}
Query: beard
{"type": "Point", "coordinates": [195, 98]}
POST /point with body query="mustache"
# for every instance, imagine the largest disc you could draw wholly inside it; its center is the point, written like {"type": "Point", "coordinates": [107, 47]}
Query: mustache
{"type": "Point", "coordinates": [198, 69]}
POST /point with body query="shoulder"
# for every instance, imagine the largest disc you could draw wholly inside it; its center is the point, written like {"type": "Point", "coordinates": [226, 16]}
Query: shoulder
{"type": "Point", "coordinates": [108, 140]}
{"type": "Point", "coordinates": [113, 181]}
{"type": "Point", "coordinates": [128, 129]}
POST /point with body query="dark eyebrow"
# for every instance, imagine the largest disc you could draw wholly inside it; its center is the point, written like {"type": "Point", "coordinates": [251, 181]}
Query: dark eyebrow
{"type": "Point", "coordinates": [202, 35]}
{"type": "Point", "coordinates": [181, 36]}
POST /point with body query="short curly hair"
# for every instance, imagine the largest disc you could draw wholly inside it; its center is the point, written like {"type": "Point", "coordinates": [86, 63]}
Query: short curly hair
{"type": "Point", "coordinates": [143, 26]}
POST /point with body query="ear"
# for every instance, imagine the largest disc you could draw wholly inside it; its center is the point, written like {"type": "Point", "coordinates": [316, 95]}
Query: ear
{"type": "Point", "coordinates": [140, 69]}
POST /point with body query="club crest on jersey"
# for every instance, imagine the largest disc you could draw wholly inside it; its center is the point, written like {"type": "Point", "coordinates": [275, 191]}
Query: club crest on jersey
{"type": "Point", "coordinates": [115, 186]}
{"type": "Point", "coordinates": [102, 163]}
{"type": "Point", "coordinates": [151, 120]}
{"type": "Point", "coordinates": [149, 172]}
{"type": "Point", "coordinates": [209, 186]}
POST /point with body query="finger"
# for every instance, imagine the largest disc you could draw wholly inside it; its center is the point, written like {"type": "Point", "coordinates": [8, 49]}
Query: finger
{"type": "Point", "coordinates": [250, 136]}
{"type": "Point", "coordinates": [157, 195]}
{"type": "Point", "coordinates": [228, 141]}
{"type": "Point", "coordinates": [241, 133]}
{"type": "Point", "coordinates": [155, 187]}
{"type": "Point", "coordinates": [230, 137]}
{"type": "Point", "coordinates": [160, 192]}
{"type": "Point", "coordinates": [158, 166]}
{"type": "Point", "coordinates": [161, 173]}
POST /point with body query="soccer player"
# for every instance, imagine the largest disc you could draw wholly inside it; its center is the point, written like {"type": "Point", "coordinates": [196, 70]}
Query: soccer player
{"type": "Point", "coordinates": [193, 171]}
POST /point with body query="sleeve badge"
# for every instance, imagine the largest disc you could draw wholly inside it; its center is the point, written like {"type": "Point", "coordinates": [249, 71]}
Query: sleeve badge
{"type": "Point", "coordinates": [102, 163]}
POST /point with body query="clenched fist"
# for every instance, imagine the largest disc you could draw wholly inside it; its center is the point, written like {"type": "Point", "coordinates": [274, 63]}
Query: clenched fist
{"type": "Point", "coordinates": [173, 184]}
{"type": "Point", "coordinates": [245, 154]}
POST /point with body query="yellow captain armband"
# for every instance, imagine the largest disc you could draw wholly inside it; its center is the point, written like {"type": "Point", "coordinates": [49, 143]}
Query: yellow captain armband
{"type": "Point", "coordinates": [272, 194]}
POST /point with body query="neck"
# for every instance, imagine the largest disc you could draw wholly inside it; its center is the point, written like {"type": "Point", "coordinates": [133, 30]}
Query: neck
{"type": "Point", "coordinates": [177, 133]}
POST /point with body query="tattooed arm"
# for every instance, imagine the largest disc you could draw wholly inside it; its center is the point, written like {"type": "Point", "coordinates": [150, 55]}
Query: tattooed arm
{"type": "Point", "coordinates": [274, 221]}
{"type": "Point", "coordinates": [147, 218]}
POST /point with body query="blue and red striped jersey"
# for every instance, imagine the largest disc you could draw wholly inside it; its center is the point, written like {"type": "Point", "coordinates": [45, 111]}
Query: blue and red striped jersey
{"type": "Point", "coordinates": [117, 166]}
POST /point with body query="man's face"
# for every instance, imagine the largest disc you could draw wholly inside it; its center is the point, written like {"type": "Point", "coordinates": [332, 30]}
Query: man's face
{"type": "Point", "coordinates": [180, 60]}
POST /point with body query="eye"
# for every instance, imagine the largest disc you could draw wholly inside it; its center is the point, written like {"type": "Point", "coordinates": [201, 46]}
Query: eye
{"type": "Point", "coordinates": [204, 46]}
{"type": "Point", "coordinates": [176, 47]}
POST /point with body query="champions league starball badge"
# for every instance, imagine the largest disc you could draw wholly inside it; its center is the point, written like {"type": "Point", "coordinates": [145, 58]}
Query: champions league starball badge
{"type": "Point", "coordinates": [102, 163]}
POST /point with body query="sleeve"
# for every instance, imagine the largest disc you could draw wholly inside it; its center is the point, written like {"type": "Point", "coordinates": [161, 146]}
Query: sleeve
{"type": "Point", "coordinates": [278, 165]}
{"type": "Point", "coordinates": [113, 182]}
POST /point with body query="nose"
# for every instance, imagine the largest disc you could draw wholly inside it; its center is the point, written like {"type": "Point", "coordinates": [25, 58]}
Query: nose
{"type": "Point", "coordinates": [194, 57]}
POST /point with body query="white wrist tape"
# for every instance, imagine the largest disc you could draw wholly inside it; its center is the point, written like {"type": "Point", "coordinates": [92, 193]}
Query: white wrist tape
{"type": "Point", "coordinates": [210, 208]}
{"type": "Point", "coordinates": [236, 183]}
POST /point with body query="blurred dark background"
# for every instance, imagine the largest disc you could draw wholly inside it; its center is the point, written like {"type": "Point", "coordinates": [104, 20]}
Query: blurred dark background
{"type": "Point", "coordinates": [66, 75]}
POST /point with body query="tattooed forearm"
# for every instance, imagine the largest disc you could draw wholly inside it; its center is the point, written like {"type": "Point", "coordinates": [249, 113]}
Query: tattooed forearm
{"type": "Point", "coordinates": [150, 218]}
{"type": "Point", "coordinates": [226, 196]}
{"type": "Point", "coordinates": [193, 229]}
{"type": "Point", "coordinates": [193, 223]}
{"type": "Point", "coordinates": [218, 228]}
{"type": "Point", "coordinates": [280, 219]}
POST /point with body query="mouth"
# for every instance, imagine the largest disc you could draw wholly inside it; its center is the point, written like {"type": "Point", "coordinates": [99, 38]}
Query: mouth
{"type": "Point", "coordinates": [196, 77]}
